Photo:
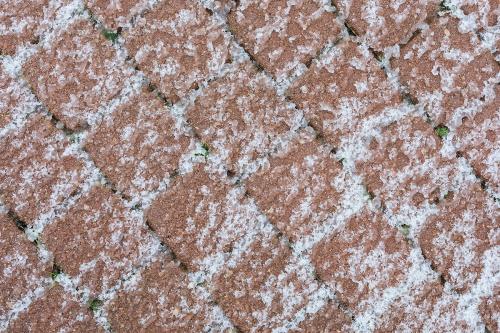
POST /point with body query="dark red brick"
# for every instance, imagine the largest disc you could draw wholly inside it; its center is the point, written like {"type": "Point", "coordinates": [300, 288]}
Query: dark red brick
{"type": "Point", "coordinates": [98, 240]}
{"type": "Point", "coordinates": [282, 35]}
{"type": "Point", "coordinates": [139, 145]}
{"type": "Point", "coordinates": [76, 74]}
{"type": "Point", "coordinates": [178, 45]}
{"type": "Point", "coordinates": [37, 173]}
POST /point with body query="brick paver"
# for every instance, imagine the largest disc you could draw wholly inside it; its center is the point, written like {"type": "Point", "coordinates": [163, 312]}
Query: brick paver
{"type": "Point", "coordinates": [296, 187]}
{"type": "Point", "coordinates": [249, 166]}
{"type": "Point", "coordinates": [98, 240]}
{"type": "Point", "coordinates": [55, 311]}
{"type": "Point", "coordinates": [241, 117]}
{"type": "Point", "coordinates": [445, 68]}
{"type": "Point", "coordinates": [21, 270]}
{"type": "Point", "coordinates": [459, 235]}
{"type": "Point", "coordinates": [282, 35]}
{"type": "Point", "coordinates": [20, 23]}
{"type": "Point", "coordinates": [342, 91]}
{"type": "Point", "coordinates": [160, 301]}
{"type": "Point", "coordinates": [476, 138]}
{"type": "Point", "coordinates": [76, 74]}
{"type": "Point", "coordinates": [139, 145]}
{"type": "Point", "coordinates": [386, 23]}
{"type": "Point", "coordinates": [178, 45]}
{"type": "Point", "coordinates": [198, 216]}
{"type": "Point", "coordinates": [37, 170]}
{"type": "Point", "coordinates": [15, 100]}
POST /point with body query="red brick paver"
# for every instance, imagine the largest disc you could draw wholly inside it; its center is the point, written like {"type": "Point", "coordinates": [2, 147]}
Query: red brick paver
{"type": "Point", "coordinates": [178, 45]}
{"type": "Point", "coordinates": [139, 145]}
{"type": "Point", "coordinates": [37, 170]}
{"type": "Point", "coordinates": [21, 270]}
{"type": "Point", "coordinates": [295, 188]}
{"type": "Point", "coordinates": [98, 240]}
{"type": "Point", "coordinates": [241, 117]}
{"type": "Point", "coordinates": [160, 301]}
{"type": "Point", "coordinates": [20, 23]}
{"type": "Point", "coordinates": [342, 91]}
{"type": "Point", "coordinates": [457, 237]}
{"type": "Point", "coordinates": [55, 311]}
{"type": "Point", "coordinates": [282, 35]}
{"type": "Point", "coordinates": [386, 23]}
{"type": "Point", "coordinates": [445, 68]}
{"type": "Point", "coordinates": [78, 72]}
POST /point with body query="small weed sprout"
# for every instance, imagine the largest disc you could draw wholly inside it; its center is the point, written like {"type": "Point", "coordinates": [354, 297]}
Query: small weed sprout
{"type": "Point", "coordinates": [110, 35]}
{"type": "Point", "coordinates": [205, 151]}
{"type": "Point", "coordinates": [95, 305]}
{"type": "Point", "coordinates": [56, 271]}
{"type": "Point", "coordinates": [442, 131]}
{"type": "Point", "coordinates": [405, 230]}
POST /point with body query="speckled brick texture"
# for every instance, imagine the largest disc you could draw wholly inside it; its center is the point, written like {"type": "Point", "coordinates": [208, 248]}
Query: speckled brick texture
{"type": "Point", "coordinates": [273, 166]}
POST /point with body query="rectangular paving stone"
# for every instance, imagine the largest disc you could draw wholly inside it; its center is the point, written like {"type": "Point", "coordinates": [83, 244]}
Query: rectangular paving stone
{"type": "Point", "coordinates": [38, 171]}
{"type": "Point", "coordinates": [260, 291]}
{"type": "Point", "coordinates": [160, 301]}
{"type": "Point", "coordinates": [16, 101]}
{"type": "Point", "coordinates": [403, 167]}
{"type": "Point", "coordinates": [490, 310]}
{"type": "Point", "coordinates": [78, 72]}
{"type": "Point", "coordinates": [343, 91]}
{"type": "Point", "coordinates": [20, 23]}
{"type": "Point", "coordinates": [98, 240]}
{"type": "Point", "coordinates": [477, 139]}
{"type": "Point", "coordinates": [241, 117]}
{"type": "Point", "coordinates": [139, 145]}
{"type": "Point", "coordinates": [199, 216]}
{"type": "Point", "coordinates": [366, 256]}
{"type": "Point", "coordinates": [386, 23]}
{"type": "Point", "coordinates": [282, 35]}
{"type": "Point", "coordinates": [458, 236]}
{"type": "Point", "coordinates": [178, 45]}
{"type": "Point", "coordinates": [330, 318]}
{"type": "Point", "coordinates": [116, 14]}
{"type": "Point", "coordinates": [445, 68]}
{"type": "Point", "coordinates": [55, 311]}
{"type": "Point", "coordinates": [22, 271]}
{"type": "Point", "coordinates": [367, 260]}
{"type": "Point", "coordinates": [295, 187]}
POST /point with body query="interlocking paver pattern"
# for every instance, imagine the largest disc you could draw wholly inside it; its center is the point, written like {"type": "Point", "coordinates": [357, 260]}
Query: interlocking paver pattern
{"type": "Point", "coordinates": [249, 166]}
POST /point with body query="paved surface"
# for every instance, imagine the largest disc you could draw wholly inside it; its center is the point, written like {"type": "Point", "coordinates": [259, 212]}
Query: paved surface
{"type": "Point", "coordinates": [249, 166]}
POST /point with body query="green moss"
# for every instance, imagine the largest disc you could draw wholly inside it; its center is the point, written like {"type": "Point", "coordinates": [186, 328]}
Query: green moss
{"type": "Point", "coordinates": [405, 229]}
{"type": "Point", "coordinates": [56, 271]}
{"type": "Point", "coordinates": [441, 131]}
{"type": "Point", "coordinates": [444, 7]}
{"type": "Point", "coordinates": [205, 150]}
{"type": "Point", "coordinates": [95, 304]}
{"type": "Point", "coordinates": [110, 35]}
